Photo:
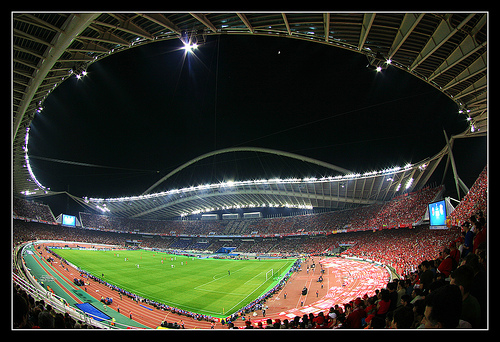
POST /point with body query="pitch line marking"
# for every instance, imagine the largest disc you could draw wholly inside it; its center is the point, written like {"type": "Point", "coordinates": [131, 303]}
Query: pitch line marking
{"type": "Point", "coordinates": [215, 279]}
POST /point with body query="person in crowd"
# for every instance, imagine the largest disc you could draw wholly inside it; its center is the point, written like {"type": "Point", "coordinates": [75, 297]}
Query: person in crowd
{"type": "Point", "coordinates": [463, 277]}
{"type": "Point", "coordinates": [384, 303]}
{"type": "Point", "coordinates": [375, 322]}
{"type": "Point", "coordinates": [354, 319]}
{"type": "Point", "coordinates": [417, 294]}
{"type": "Point", "coordinates": [480, 235]}
{"type": "Point", "coordinates": [393, 295]}
{"type": "Point", "coordinates": [478, 287]}
{"type": "Point", "coordinates": [454, 252]}
{"type": "Point", "coordinates": [418, 314]}
{"type": "Point", "coordinates": [269, 323]}
{"type": "Point", "coordinates": [447, 265]}
{"type": "Point", "coordinates": [405, 300]}
{"type": "Point", "coordinates": [45, 320]}
{"type": "Point", "coordinates": [402, 318]}
{"type": "Point", "coordinates": [427, 275]}
{"type": "Point", "coordinates": [443, 308]}
{"type": "Point", "coordinates": [468, 239]}
{"type": "Point", "coordinates": [401, 291]}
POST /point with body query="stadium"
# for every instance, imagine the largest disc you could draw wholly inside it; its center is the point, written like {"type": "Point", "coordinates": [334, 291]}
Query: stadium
{"type": "Point", "coordinates": [254, 225]}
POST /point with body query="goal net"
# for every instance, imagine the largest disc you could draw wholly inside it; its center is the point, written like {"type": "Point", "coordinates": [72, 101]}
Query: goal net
{"type": "Point", "coordinates": [269, 274]}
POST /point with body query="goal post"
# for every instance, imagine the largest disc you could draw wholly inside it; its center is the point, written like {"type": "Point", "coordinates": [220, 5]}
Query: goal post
{"type": "Point", "coordinates": [269, 274]}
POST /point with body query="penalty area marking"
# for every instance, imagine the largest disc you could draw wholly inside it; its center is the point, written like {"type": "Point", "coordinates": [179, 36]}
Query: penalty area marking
{"type": "Point", "coordinates": [219, 278]}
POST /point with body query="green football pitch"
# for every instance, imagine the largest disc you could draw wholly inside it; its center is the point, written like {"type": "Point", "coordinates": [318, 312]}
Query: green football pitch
{"type": "Point", "coordinates": [215, 287]}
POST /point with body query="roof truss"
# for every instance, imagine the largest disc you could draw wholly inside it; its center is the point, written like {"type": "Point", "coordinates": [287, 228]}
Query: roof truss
{"type": "Point", "coordinates": [447, 50]}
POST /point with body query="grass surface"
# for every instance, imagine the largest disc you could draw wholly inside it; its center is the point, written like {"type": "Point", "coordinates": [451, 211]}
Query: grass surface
{"type": "Point", "coordinates": [199, 285]}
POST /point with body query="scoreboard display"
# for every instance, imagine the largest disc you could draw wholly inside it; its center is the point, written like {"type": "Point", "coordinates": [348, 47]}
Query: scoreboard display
{"type": "Point", "coordinates": [68, 220]}
{"type": "Point", "coordinates": [437, 215]}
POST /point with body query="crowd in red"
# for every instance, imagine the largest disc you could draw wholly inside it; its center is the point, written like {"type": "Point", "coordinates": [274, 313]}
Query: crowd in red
{"type": "Point", "coordinates": [476, 199]}
{"type": "Point", "coordinates": [32, 210]}
{"type": "Point", "coordinates": [403, 249]}
{"type": "Point", "coordinates": [402, 211]}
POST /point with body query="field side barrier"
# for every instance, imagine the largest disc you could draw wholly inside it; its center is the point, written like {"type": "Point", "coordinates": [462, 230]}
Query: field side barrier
{"type": "Point", "coordinates": [33, 288]}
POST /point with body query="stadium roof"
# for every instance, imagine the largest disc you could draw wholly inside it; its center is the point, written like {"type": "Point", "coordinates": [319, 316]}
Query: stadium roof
{"type": "Point", "coordinates": [345, 189]}
{"type": "Point", "coordinates": [446, 50]}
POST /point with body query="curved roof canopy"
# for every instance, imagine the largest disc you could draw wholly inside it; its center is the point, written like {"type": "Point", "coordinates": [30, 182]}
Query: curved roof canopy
{"type": "Point", "coordinates": [341, 191]}
{"type": "Point", "coordinates": [446, 50]}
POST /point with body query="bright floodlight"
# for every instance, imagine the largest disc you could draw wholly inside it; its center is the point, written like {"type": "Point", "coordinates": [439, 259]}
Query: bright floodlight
{"type": "Point", "coordinates": [379, 69]}
{"type": "Point", "coordinates": [190, 47]}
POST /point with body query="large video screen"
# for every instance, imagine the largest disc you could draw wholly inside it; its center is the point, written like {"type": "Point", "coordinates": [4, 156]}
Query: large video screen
{"type": "Point", "coordinates": [437, 214]}
{"type": "Point", "coordinates": [68, 220]}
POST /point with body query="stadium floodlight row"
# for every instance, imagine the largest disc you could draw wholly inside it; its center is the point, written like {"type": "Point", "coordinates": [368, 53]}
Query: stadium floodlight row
{"type": "Point", "coordinates": [334, 192]}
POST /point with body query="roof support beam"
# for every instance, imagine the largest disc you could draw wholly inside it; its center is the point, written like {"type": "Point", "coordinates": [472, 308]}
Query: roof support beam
{"type": "Point", "coordinates": [73, 26]}
{"type": "Point", "coordinates": [430, 169]}
{"type": "Point", "coordinates": [478, 66]}
{"type": "Point", "coordinates": [466, 48]}
{"type": "Point", "coordinates": [23, 73]}
{"type": "Point", "coordinates": [443, 32]}
{"type": "Point", "coordinates": [408, 24]}
{"type": "Point", "coordinates": [410, 189]}
{"type": "Point", "coordinates": [416, 181]}
{"type": "Point", "coordinates": [44, 24]}
{"type": "Point", "coordinates": [29, 64]}
{"type": "Point", "coordinates": [161, 20]}
{"type": "Point", "coordinates": [29, 51]}
{"type": "Point", "coordinates": [19, 33]}
{"type": "Point", "coordinates": [91, 47]}
{"type": "Point", "coordinates": [479, 101]}
{"type": "Point", "coordinates": [203, 19]}
{"type": "Point", "coordinates": [365, 29]}
{"type": "Point", "coordinates": [286, 24]}
{"type": "Point", "coordinates": [388, 186]}
{"type": "Point", "coordinates": [77, 57]}
{"type": "Point", "coordinates": [326, 23]}
{"type": "Point", "coordinates": [104, 37]}
{"type": "Point", "coordinates": [478, 85]}
{"type": "Point", "coordinates": [245, 21]}
{"type": "Point", "coordinates": [128, 27]}
{"type": "Point", "coordinates": [458, 181]}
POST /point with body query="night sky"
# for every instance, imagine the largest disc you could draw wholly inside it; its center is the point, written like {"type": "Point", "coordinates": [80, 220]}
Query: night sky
{"type": "Point", "coordinates": [140, 113]}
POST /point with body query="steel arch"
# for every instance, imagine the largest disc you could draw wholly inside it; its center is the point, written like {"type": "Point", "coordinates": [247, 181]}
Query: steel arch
{"type": "Point", "coordinates": [247, 149]}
